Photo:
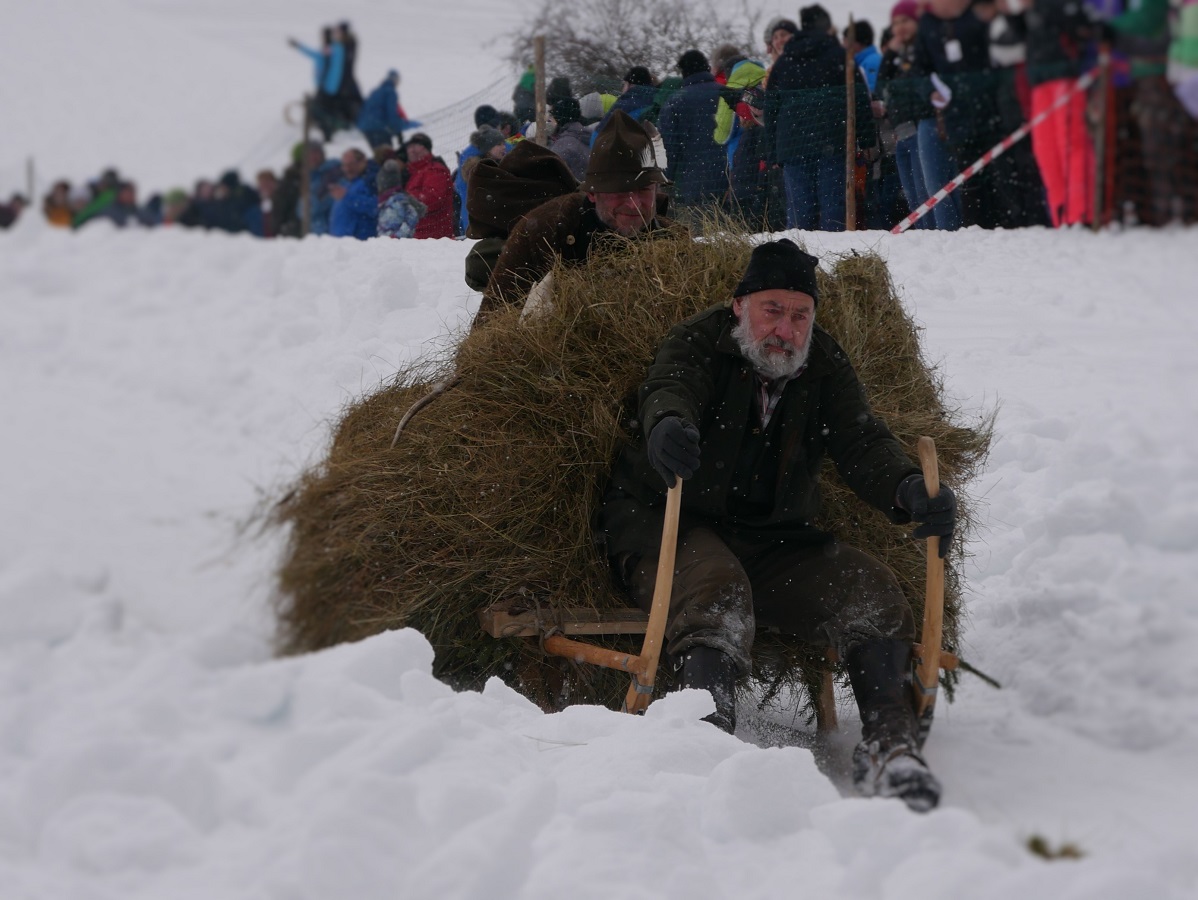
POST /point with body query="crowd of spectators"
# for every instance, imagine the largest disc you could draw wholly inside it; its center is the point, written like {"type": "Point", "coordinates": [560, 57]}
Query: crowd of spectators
{"type": "Point", "coordinates": [762, 132]}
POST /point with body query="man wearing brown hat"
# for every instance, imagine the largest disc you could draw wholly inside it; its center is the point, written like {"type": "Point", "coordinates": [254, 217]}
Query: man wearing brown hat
{"type": "Point", "coordinates": [742, 402]}
{"type": "Point", "coordinates": [619, 198]}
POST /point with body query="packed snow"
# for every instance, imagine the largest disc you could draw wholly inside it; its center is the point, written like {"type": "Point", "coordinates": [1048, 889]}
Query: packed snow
{"type": "Point", "coordinates": [159, 386]}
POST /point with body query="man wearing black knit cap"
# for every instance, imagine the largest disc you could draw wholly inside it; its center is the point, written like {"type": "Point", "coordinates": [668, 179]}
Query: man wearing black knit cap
{"type": "Point", "coordinates": [742, 402]}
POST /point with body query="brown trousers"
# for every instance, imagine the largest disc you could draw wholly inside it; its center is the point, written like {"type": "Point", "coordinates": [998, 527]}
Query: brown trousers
{"type": "Point", "coordinates": [831, 594]}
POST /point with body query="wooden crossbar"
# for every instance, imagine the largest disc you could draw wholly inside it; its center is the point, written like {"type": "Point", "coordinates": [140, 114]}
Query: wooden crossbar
{"type": "Point", "coordinates": [499, 621]}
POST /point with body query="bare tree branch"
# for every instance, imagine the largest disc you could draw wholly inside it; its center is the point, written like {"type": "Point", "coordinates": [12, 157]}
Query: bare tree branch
{"type": "Point", "coordinates": [595, 42]}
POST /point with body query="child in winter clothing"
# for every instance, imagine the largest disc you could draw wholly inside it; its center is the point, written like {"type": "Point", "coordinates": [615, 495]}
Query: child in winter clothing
{"type": "Point", "coordinates": [398, 211]}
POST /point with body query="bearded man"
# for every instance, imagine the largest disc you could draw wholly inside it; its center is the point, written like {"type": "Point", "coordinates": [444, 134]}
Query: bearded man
{"type": "Point", "coordinates": [743, 401]}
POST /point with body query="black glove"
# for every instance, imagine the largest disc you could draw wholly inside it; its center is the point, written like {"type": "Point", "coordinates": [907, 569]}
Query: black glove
{"type": "Point", "coordinates": [674, 449]}
{"type": "Point", "coordinates": [936, 515]}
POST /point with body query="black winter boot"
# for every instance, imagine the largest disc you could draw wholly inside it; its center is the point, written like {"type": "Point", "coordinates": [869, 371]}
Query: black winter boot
{"type": "Point", "coordinates": [709, 669]}
{"type": "Point", "coordinates": [887, 762]}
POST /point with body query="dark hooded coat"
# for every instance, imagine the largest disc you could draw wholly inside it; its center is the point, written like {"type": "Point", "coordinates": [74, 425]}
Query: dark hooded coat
{"type": "Point", "coordinates": [695, 162]}
{"type": "Point", "coordinates": [500, 193]}
{"type": "Point", "coordinates": [805, 104]}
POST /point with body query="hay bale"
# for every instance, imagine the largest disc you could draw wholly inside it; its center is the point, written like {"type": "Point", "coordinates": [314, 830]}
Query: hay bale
{"type": "Point", "coordinates": [489, 493]}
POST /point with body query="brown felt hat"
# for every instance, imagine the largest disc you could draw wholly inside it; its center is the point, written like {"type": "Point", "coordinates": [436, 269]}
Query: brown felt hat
{"type": "Point", "coordinates": [622, 158]}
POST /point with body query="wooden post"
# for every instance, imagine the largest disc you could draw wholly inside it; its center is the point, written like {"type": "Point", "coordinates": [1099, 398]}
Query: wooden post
{"type": "Point", "coordinates": [538, 44]}
{"type": "Point", "coordinates": [850, 136]}
{"type": "Point", "coordinates": [29, 182]}
{"type": "Point", "coordinates": [1100, 145]}
{"type": "Point", "coordinates": [306, 172]}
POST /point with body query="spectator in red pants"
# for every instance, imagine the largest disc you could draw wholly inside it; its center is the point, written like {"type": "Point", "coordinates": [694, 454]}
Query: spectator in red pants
{"type": "Point", "coordinates": [1058, 32]}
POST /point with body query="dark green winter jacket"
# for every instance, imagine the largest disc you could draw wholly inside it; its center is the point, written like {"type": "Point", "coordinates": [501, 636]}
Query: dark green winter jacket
{"type": "Point", "coordinates": [758, 484]}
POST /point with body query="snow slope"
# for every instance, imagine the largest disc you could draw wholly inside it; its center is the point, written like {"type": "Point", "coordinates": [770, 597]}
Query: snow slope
{"type": "Point", "coordinates": [156, 385]}
{"type": "Point", "coordinates": [151, 747]}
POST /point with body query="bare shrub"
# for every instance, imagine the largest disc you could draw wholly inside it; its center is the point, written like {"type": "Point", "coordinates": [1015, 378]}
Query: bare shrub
{"type": "Point", "coordinates": [595, 42]}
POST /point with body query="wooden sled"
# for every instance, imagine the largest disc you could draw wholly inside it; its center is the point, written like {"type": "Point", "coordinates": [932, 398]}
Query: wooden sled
{"type": "Point", "coordinates": [558, 632]}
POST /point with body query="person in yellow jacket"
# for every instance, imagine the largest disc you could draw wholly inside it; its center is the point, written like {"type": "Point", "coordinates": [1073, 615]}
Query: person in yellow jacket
{"type": "Point", "coordinates": [742, 74]}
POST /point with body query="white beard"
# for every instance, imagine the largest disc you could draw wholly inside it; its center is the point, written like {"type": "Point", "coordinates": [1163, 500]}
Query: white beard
{"type": "Point", "coordinates": [771, 365]}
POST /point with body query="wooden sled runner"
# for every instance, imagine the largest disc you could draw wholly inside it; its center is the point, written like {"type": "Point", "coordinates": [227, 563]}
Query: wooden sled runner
{"type": "Point", "coordinates": [502, 620]}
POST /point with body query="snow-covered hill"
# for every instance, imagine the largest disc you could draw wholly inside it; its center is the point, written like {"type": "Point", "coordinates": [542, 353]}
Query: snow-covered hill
{"type": "Point", "coordinates": [158, 382]}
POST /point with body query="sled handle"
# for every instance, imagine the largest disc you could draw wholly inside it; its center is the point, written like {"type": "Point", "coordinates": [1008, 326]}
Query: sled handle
{"type": "Point", "coordinates": [927, 671]}
{"type": "Point", "coordinates": [640, 692]}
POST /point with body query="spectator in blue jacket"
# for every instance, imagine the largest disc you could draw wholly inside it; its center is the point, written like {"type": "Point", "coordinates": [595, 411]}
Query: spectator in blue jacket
{"type": "Point", "coordinates": [636, 97]}
{"type": "Point", "coordinates": [859, 39]}
{"type": "Point", "coordinates": [329, 71]}
{"type": "Point", "coordinates": [324, 77]}
{"type": "Point", "coordinates": [322, 175]}
{"type": "Point", "coordinates": [355, 207]}
{"type": "Point", "coordinates": [483, 115]}
{"type": "Point", "coordinates": [382, 118]}
{"type": "Point", "coordinates": [695, 162]}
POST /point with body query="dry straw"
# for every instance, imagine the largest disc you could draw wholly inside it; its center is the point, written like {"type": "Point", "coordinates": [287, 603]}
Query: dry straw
{"type": "Point", "coordinates": [489, 493]}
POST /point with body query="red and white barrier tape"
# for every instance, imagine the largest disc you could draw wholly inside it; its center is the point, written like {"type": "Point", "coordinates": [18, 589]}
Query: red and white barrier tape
{"type": "Point", "coordinates": [994, 152]}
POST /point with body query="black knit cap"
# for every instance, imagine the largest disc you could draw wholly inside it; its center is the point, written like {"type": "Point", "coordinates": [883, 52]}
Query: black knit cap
{"type": "Point", "coordinates": [779, 265]}
{"type": "Point", "coordinates": [639, 75]}
{"type": "Point", "coordinates": [693, 62]}
{"type": "Point", "coordinates": [423, 140]}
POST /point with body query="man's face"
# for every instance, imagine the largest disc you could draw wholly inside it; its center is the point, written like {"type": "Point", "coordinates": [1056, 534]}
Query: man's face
{"type": "Point", "coordinates": [774, 329]}
{"type": "Point", "coordinates": [779, 39]}
{"type": "Point", "coordinates": [626, 212]}
{"type": "Point", "coordinates": [352, 164]}
{"type": "Point", "coordinates": [417, 152]}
